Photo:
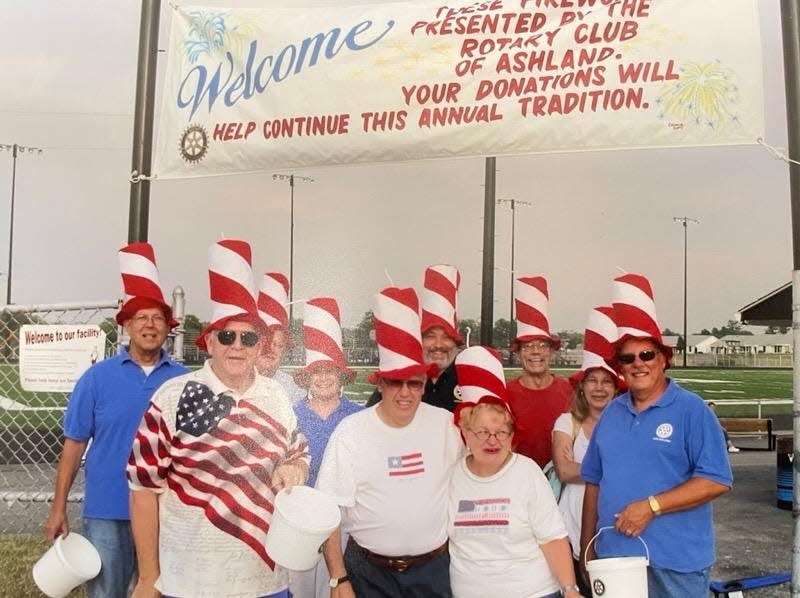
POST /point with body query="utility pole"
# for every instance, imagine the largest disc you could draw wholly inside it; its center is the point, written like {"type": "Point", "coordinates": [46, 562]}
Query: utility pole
{"type": "Point", "coordinates": [15, 150]}
{"type": "Point", "coordinates": [513, 203]}
{"type": "Point", "coordinates": [685, 221]}
{"type": "Point", "coordinates": [291, 178]}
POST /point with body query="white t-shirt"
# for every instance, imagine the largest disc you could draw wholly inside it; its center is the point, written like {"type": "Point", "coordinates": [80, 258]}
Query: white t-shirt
{"type": "Point", "coordinates": [212, 480]}
{"type": "Point", "coordinates": [571, 503]}
{"type": "Point", "coordinates": [392, 482]}
{"type": "Point", "coordinates": [496, 525]}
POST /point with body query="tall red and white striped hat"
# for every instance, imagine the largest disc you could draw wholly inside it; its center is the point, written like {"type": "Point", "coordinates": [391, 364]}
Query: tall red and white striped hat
{"type": "Point", "coordinates": [480, 379]}
{"type": "Point", "coordinates": [598, 343]}
{"type": "Point", "coordinates": [273, 298]}
{"type": "Point", "coordinates": [530, 302]}
{"type": "Point", "coordinates": [230, 281]}
{"type": "Point", "coordinates": [635, 312]}
{"type": "Point", "coordinates": [397, 332]}
{"type": "Point", "coordinates": [322, 335]}
{"type": "Point", "coordinates": [137, 264]}
{"type": "Point", "coordinates": [439, 300]}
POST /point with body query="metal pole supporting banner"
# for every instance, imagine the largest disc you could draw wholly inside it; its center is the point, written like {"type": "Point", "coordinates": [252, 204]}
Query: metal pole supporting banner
{"type": "Point", "coordinates": [487, 283]}
{"type": "Point", "coordinates": [291, 249]}
{"type": "Point", "coordinates": [685, 287]}
{"type": "Point", "coordinates": [790, 18]}
{"type": "Point", "coordinates": [139, 210]}
{"type": "Point", "coordinates": [11, 223]}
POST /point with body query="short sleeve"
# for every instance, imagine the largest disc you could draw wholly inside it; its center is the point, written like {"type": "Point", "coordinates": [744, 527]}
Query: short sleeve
{"type": "Point", "coordinates": [79, 416]}
{"type": "Point", "coordinates": [336, 475]}
{"type": "Point", "coordinates": [150, 458]}
{"type": "Point", "coordinates": [543, 513]}
{"type": "Point", "coordinates": [707, 449]}
{"type": "Point", "coordinates": [564, 424]}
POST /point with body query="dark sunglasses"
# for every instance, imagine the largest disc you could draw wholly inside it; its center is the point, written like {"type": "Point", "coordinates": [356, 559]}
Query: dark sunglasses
{"type": "Point", "coordinates": [228, 337]}
{"type": "Point", "coordinates": [629, 358]}
{"type": "Point", "coordinates": [395, 384]}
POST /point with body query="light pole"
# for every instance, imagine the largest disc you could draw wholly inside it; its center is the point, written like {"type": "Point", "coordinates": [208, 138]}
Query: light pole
{"type": "Point", "coordinates": [513, 203]}
{"type": "Point", "coordinates": [291, 178]}
{"type": "Point", "coordinates": [685, 221]}
{"type": "Point", "coordinates": [15, 150]}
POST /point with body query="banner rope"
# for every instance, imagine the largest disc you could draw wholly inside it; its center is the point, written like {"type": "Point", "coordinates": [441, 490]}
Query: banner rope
{"type": "Point", "coordinates": [777, 152]}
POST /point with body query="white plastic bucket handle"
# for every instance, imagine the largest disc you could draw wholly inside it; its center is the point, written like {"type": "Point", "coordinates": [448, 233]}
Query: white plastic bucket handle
{"type": "Point", "coordinates": [608, 527]}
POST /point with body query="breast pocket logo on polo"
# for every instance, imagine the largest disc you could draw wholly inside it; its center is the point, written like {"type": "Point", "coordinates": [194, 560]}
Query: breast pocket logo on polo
{"type": "Point", "coordinates": [663, 432]}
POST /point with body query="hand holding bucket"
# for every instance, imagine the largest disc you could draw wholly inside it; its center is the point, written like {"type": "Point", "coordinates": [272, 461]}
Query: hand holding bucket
{"type": "Point", "coordinates": [618, 577]}
{"type": "Point", "coordinates": [70, 561]}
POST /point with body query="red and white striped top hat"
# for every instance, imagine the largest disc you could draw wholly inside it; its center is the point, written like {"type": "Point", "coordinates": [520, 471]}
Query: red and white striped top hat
{"type": "Point", "coordinates": [273, 297]}
{"type": "Point", "coordinates": [598, 343]}
{"type": "Point", "coordinates": [322, 335]}
{"type": "Point", "coordinates": [230, 281]}
{"type": "Point", "coordinates": [530, 302]}
{"type": "Point", "coordinates": [635, 312]}
{"type": "Point", "coordinates": [397, 332]}
{"type": "Point", "coordinates": [137, 264]}
{"type": "Point", "coordinates": [439, 300]}
{"type": "Point", "coordinates": [480, 379]}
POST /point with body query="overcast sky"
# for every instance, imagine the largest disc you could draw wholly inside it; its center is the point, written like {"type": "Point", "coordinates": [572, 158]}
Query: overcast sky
{"type": "Point", "coordinates": [69, 72]}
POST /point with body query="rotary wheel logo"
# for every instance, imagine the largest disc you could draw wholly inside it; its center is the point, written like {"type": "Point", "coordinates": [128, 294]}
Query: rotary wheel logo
{"type": "Point", "coordinates": [598, 587]}
{"type": "Point", "coordinates": [457, 393]}
{"type": "Point", "coordinates": [194, 143]}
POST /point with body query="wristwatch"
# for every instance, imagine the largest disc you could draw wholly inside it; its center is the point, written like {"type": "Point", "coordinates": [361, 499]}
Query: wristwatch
{"type": "Point", "coordinates": [573, 587]}
{"type": "Point", "coordinates": [336, 581]}
{"type": "Point", "coordinates": [654, 506]}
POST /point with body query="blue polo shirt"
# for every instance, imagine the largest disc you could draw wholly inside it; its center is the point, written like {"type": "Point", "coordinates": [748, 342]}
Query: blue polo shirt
{"type": "Point", "coordinates": [106, 406]}
{"type": "Point", "coordinates": [632, 455]}
{"type": "Point", "coordinates": [318, 431]}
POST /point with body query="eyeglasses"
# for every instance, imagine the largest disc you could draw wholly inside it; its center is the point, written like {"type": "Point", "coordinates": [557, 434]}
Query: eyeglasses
{"type": "Point", "coordinates": [228, 337]}
{"type": "Point", "coordinates": [535, 346]}
{"type": "Point", "coordinates": [599, 381]}
{"type": "Point", "coordinates": [629, 358]}
{"type": "Point", "coordinates": [156, 319]}
{"type": "Point", "coordinates": [395, 384]}
{"type": "Point", "coordinates": [484, 435]}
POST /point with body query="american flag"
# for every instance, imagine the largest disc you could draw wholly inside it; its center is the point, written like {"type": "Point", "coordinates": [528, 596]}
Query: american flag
{"type": "Point", "coordinates": [220, 459]}
{"type": "Point", "coordinates": [483, 512]}
{"type": "Point", "coordinates": [406, 465]}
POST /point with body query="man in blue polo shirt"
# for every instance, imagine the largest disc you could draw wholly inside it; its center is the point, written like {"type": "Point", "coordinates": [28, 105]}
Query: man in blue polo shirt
{"type": "Point", "coordinates": [106, 407]}
{"type": "Point", "coordinates": [655, 461]}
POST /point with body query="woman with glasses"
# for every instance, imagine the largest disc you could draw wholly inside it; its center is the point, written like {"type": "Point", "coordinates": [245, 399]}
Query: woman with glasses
{"type": "Point", "coordinates": [318, 414]}
{"type": "Point", "coordinates": [506, 534]}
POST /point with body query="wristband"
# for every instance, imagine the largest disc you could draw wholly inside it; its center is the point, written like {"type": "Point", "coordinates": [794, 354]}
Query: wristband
{"type": "Point", "coordinates": [654, 505]}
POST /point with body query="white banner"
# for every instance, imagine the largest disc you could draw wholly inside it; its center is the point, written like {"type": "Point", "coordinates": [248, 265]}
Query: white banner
{"type": "Point", "coordinates": [254, 90]}
{"type": "Point", "coordinates": [52, 358]}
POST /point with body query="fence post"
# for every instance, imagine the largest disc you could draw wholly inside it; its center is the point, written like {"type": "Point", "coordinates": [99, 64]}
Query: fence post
{"type": "Point", "coordinates": [178, 308]}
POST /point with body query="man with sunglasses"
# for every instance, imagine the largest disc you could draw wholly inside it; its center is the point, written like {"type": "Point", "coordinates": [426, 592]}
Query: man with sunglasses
{"type": "Point", "coordinates": [105, 407]}
{"type": "Point", "coordinates": [212, 450]}
{"type": "Point", "coordinates": [656, 460]}
{"type": "Point", "coordinates": [387, 467]}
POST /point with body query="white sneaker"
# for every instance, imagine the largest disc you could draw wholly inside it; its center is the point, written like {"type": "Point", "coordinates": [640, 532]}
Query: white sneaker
{"type": "Point", "coordinates": [733, 449]}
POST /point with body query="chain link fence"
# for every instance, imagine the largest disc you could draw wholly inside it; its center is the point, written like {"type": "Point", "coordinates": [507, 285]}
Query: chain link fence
{"type": "Point", "coordinates": [31, 422]}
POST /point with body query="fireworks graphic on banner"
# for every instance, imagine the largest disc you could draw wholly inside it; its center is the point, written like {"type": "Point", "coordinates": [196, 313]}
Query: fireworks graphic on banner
{"type": "Point", "coordinates": [706, 95]}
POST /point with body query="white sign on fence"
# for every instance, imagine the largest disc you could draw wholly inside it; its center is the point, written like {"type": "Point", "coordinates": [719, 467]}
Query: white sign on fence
{"type": "Point", "coordinates": [52, 358]}
{"type": "Point", "coordinates": [250, 90]}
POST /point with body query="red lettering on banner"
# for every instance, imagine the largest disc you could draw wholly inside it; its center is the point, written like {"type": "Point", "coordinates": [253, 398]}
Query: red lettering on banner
{"type": "Point", "coordinates": [383, 121]}
{"type": "Point", "coordinates": [233, 131]}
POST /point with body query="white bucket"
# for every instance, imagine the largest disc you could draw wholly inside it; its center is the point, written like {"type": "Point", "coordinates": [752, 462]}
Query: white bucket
{"type": "Point", "coordinates": [68, 563]}
{"type": "Point", "coordinates": [619, 577]}
{"type": "Point", "coordinates": [302, 521]}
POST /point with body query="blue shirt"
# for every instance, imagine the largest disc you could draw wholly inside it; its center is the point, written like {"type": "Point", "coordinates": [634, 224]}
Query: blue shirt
{"type": "Point", "coordinates": [633, 454]}
{"type": "Point", "coordinates": [106, 406]}
{"type": "Point", "coordinates": [318, 431]}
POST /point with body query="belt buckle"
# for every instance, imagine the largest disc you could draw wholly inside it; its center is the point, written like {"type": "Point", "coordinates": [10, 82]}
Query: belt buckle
{"type": "Point", "coordinates": [399, 565]}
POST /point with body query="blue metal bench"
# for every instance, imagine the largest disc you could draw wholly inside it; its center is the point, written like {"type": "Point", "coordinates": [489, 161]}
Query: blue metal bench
{"type": "Point", "coordinates": [722, 589]}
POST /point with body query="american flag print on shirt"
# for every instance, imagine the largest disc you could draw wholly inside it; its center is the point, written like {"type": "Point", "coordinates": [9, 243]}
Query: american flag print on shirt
{"type": "Point", "coordinates": [220, 459]}
{"type": "Point", "coordinates": [405, 465]}
{"type": "Point", "coordinates": [484, 514]}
